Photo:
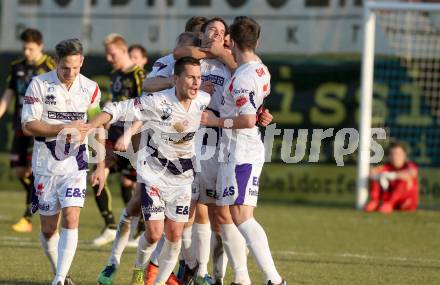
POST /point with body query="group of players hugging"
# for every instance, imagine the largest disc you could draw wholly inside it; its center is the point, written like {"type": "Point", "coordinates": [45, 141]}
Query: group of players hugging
{"type": "Point", "coordinates": [185, 140]}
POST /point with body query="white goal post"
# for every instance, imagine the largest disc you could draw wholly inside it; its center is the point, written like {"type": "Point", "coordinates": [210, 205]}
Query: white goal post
{"type": "Point", "coordinates": [372, 10]}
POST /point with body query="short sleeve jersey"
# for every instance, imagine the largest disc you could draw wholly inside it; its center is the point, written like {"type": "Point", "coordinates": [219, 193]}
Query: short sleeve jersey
{"type": "Point", "coordinates": [244, 95]}
{"type": "Point", "coordinates": [168, 135]}
{"type": "Point", "coordinates": [47, 100]}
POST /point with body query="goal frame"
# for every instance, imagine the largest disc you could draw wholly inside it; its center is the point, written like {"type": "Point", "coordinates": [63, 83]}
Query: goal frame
{"type": "Point", "coordinates": [367, 76]}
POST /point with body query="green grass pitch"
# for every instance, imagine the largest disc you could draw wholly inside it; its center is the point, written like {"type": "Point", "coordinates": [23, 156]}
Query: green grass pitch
{"type": "Point", "coordinates": [310, 244]}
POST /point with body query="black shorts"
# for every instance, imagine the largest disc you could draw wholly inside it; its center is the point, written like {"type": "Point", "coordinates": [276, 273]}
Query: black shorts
{"type": "Point", "coordinates": [21, 152]}
{"type": "Point", "coordinates": [114, 162]}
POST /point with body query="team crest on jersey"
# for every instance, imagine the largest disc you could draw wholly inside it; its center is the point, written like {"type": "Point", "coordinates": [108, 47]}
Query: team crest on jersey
{"type": "Point", "coordinates": [50, 99]}
{"type": "Point", "coordinates": [166, 111]}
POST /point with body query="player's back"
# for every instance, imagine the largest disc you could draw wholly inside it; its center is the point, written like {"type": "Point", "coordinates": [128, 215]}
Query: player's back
{"type": "Point", "coordinates": [244, 95]}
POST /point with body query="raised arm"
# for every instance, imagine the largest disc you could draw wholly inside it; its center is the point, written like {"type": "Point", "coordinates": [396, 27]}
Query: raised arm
{"type": "Point", "coordinates": [192, 51]}
{"type": "Point", "coordinates": [156, 84]}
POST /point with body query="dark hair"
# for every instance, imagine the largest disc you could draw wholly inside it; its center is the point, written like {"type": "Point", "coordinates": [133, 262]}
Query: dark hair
{"type": "Point", "coordinates": [180, 64]}
{"type": "Point", "coordinates": [68, 47]}
{"type": "Point", "coordinates": [31, 36]}
{"type": "Point", "coordinates": [188, 39]}
{"type": "Point", "coordinates": [140, 48]}
{"type": "Point", "coordinates": [245, 32]}
{"type": "Point", "coordinates": [195, 22]}
{"type": "Point", "coordinates": [397, 144]}
{"type": "Point", "coordinates": [215, 19]}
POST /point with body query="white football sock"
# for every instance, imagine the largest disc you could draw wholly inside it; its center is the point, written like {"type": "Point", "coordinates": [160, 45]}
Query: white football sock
{"type": "Point", "coordinates": [235, 247]}
{"type": "Point", "coordinates": [219, 257]}
{"type": "Point", "coordinates": [121, 239]}
{"type": "Point", "coordinates": [167, 260]}
{"type": "Point", "coordinates": [66, 252]}
{"type": "Point", "coordinates": [203, 241]}
{"type": "Point", "coordinates": [155, 255]}
{"type": "Point", "coordinates": [188, 250]}
{"type": "Point", "coordinates": [144, 251]}
{"type": "Point", "coordinates": [256, 240]}
{"type": "Point", "coordinates": [50, 247]}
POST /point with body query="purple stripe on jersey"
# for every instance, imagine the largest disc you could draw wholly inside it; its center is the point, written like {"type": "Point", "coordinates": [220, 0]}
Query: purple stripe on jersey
{"type": "Point", "coordinates": [242, 175]}
{"type": "Point", "coordinates": [82, 164]}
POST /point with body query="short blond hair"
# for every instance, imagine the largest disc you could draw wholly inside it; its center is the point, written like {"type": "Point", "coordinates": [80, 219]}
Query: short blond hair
{"type": "Point", "coordinates": [116, 39]}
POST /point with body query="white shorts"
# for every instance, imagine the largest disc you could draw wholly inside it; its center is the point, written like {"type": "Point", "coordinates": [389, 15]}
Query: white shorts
{"type": "Point", "coordinates": [172, 202]}
{"type": "Point", "coordinates": [205, 181]}
{"type": "Point", "coordinates": [60, 191]}
{"type": "Point", "coordinates": [237, 184]}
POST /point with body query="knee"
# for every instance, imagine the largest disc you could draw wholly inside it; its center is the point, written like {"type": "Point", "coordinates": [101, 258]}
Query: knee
{"type": "Point", "coordinates": [48, 230]}
{"type": "Point", "coordinates": [174, 235]}
{"type": "Point", "coordinates": [152, 235]}
{"type": "Point", "coordinates": [224, 216]}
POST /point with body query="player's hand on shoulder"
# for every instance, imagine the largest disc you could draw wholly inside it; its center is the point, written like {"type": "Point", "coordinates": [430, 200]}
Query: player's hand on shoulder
{"type": "Point", "coordinates": [208, 87]}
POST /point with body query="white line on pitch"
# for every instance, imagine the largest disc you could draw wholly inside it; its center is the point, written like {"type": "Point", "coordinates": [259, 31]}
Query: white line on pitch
{"type": "Point", "coordinates": [358, 256]}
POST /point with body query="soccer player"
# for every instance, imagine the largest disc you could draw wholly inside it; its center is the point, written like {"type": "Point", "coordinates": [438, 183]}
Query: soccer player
{"type": "Point", "coordinates": [241, 149]}
{"type": "Point", "coordinates": [125, 83]}
{"type": "Point", "coordinates": [394, 185]}
{"type": "Point", "coordinates": [35, 62]}
{"type": "Point", "coordinates": [157, 80]}
{"type": "Point", "coordinates": [165, 172]}
{"type": "Point", "coordinates": [54, 112]}
{"type": "Point", "coordinates": [138, 54]}
{"type": "Point", "coordinates": [214, 77]}
{"type": "Point", "coordinates": [195, 23]}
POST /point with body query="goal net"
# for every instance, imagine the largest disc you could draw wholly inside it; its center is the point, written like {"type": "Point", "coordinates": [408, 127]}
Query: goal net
{"type": "Point", "coordinates": [401, 89]}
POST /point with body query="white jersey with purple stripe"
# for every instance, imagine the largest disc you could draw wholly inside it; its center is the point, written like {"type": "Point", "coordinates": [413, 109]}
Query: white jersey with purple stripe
{"type": "Point", "coordinates": [167, 144]}
{"type": "Point", "coordinates": [244, 95]}
{"type": "Point", "coordinates": [163, 67]}
{"type": "Point", "coordinates": [216, 72]}
{"type": "Point", "coordinates": [47, 100]}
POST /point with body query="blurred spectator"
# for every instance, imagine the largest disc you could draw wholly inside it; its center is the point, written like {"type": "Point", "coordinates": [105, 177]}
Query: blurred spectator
{"type": "Point", "coordinates": [394, 185]}
{"type": "Point", "coordinates": [138, 54]}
